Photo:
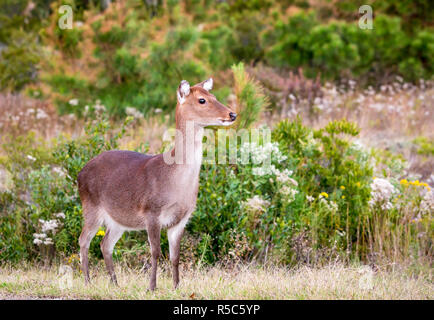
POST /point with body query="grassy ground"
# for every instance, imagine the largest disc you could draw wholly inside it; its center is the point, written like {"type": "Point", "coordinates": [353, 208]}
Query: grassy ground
{"type": "Point", "coordinates": [331, 282]}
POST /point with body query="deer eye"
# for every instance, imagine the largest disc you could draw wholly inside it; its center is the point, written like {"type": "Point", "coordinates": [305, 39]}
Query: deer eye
{"type": "Point", "coordinates": [202, 100]}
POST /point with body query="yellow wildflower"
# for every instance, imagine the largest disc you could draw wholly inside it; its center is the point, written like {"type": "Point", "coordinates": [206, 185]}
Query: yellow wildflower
{"type": "Point", "coordinates": [342, 187]}
{"type": "Point", "coordinates": [417, 183]}
{"type": "Point", "coordinates": [343, 197]}
{"type": "Point", "coordinates": [324, 194]}
{"type": "Point", "coordinates": [100, 233]}
{"type": "Point", "coordinates": [358, 184]}
{"type": "Point", "coordinates": [404, 182]}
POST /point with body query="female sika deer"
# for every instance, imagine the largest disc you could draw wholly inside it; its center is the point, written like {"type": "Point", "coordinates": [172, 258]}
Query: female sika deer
{"type": "Point", "coordinates": [126, 190]}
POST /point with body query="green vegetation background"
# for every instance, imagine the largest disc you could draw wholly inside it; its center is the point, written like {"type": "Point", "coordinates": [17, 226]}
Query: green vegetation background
{"type": "Point", "coordinates": [134, 53]}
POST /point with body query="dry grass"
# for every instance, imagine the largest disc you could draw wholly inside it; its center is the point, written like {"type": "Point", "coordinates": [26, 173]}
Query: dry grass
{"type": "Point", "coordinates": [331, 282]}
{"type": "Point", "coordinates": [20, 114]}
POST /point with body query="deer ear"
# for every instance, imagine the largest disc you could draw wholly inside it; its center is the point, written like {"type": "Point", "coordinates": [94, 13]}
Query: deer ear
{"type": "Point", "coordinates": [183, 91]}
{"type": "Point", "coordinates": [207, 84]}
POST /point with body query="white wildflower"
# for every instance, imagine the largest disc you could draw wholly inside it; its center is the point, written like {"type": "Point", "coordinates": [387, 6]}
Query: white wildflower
{"type": "Point", "coordinates": [257, 203]}
{"type": "Point", "coordinates": [49, 225]}
{"type": "Point", "coordinates": [333, 205]}
{"type": "Point", "coordinates": [330, 205]}
{"type": "Point", "coordinates": [41, 114]}
{"type": "Point", "coordinates": [59, 171]}
{"type": "Point", "coordinates": [381, 193]}
{"type": "Point", "coordinates": [73, 102]}
{"type": "Point", "coordinates": [310, 198]}
{"type": "Point", "coordinates": [427, 203]}
{"type": "Point", "coordinates": [285, 176]}
{"type": "Point", "coordinates": [357, 145]}
{"type": "Point", "coordinates": [261, 153]}
{"type": "Point", "coordinates": [48, 241]}
{"type": "Point", "coordinates": [289, 193]}
{"type": "Point", "coordinates": [232, 174]}
{"type": "Point", "coordinates": [30, 111]}
{"type": "Point", "coordinates": [60, 215]}
{"type": "Point", "coordinates": [31, 158]}
{"type": "Point", "coordinates": [98, 107]}
{"type": "Point", "coordinates": [134, 112]}
{"type": "Point", "coordinates": [265, 170]}
{"type": "Point", "coordinates": [37, 241]}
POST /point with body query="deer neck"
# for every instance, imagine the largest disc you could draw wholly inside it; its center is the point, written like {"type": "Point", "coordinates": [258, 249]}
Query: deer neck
{"type": "Point", "coordinates": [188, 144]}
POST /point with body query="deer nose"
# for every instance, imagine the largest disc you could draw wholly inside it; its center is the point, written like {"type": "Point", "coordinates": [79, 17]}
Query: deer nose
{"type": "Point", "coordinates": [233, 116]}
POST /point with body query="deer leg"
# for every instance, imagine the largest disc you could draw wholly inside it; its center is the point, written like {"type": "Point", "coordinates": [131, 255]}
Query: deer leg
{"type": "Point", "coordinates": [154, 241]}
{"type": "Point", "coordinates": [87, 234]}
{"type": "Point", "coordinates": [174, 235]}
{"type": "Point", "coordinates": [107, 244]}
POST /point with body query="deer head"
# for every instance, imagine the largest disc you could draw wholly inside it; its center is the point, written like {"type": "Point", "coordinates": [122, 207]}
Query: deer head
{"type": "Point", "coordinates": [197, 104]}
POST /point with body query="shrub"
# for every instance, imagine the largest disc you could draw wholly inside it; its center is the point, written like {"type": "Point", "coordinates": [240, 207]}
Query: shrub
{"type": "Point", "coordinates": [251, 100]}
{"type": "Point", "coordinates": [339, 49]}
{"type": "Point", "coordinates": [318, 183]}
{"type": "Point", "coordinates": [18, 61]}
{"type": "Point", "coordinates": [316, 201]}
{"type": "Point", "coordinates": [44, 198]}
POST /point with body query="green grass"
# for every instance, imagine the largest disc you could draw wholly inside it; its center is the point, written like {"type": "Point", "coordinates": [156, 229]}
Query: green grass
{"type": "Point", "coordinates": [330, 282]}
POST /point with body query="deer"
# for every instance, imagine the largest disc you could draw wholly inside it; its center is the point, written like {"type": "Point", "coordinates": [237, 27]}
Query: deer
{"type": "Point", "coordinates": [131, 191]}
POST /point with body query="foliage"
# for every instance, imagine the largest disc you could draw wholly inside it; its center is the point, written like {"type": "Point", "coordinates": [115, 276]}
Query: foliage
{"type": "Point", "coordinates": [424, 145]}
{"type": "Point", "coordinates": [44, 185]}
{"type": "Point", "coordinates": [341, 49]}
{"type": "Point", "coordinates": [251, 100]}
{"type": "Point", "coordinates": [19, 51]}
{"type": "Point", "coordinates": [133, 53]}
{"type": "Point", "coordinates": [314, 201]}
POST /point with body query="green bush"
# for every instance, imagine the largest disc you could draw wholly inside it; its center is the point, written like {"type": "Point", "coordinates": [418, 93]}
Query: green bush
{"type": "Point", "coordinates": [320, 165]}
{"type": "Point", "coordinates": [315, 201]}
{"type": "Point", "coordinates": [18, 61]}
{"type": "Point", "coordinates": [128, 81]}
{"type": "Point", "coordinates": [251, 100]}
{"type": "Point", "coordinates": [340, 49]}
{"type": "Point", "coordinates": [44, 186]}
